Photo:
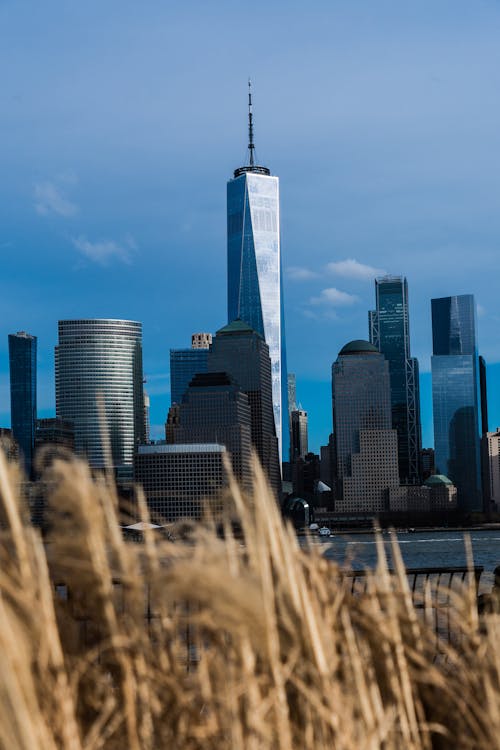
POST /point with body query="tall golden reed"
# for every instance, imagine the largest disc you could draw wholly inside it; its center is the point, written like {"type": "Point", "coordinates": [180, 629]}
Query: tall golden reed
{"type": "Point", "coordinates": [210, 643]}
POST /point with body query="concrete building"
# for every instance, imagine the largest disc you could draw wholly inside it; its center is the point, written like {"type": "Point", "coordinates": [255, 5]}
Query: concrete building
{"type": "Point", "coordinates": [365, 443]}
{"type": "Point", "coordinates": [299, 441]}
{"type": "Point", "coordinates": [492, 459]}
{"type": "Point", "coordinates": [215, 410]}
{"type": "Point", "coordinates": [242, 352]}
{"type": "Point", "coordinates": [100, 361]}
{"type": "Point", "coordinates": [181, 481]}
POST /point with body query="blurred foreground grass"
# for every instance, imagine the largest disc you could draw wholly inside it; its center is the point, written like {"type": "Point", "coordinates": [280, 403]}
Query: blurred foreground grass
{"type": "Point", "coordinates": [259, 646]}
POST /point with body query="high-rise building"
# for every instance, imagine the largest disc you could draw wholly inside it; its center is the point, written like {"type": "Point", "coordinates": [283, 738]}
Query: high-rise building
{"type": "Point", "coordinates": [100, 361]}
{"type": "Point", "coordinates": [390, 333]}
{"type": "Point", "coordinates": [483, 395]}
{"type": "Point", "coordinates": [215, 410]}
{"type": "Point", "coordinates": [492, 490]}
{"type": "Point", "coordinates": [365, 444]}
{"type": "Point", "coordinates": [147, 421]}
{"type": "Point", "coordinates": [243, 353]}
{"type": "Point", "coordinates": [299, 434]}
{"type": "Point", "coordinates": [455, 396]}
{"type": "Point", "coordinates": [22, 363]}
{"type": "Point", "coordinates": [186, 363]}
{"type": "Point", "coordinates": [181, 481]}
{"type": "Point", "coordinates": [254, 283]}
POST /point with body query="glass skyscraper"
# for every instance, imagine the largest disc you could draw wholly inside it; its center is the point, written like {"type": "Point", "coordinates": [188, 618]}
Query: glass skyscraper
{"type": "Point", "coordinates": [390, 333]}
{"type": "Point", "coordinates": [22, 363]}
{"type": "Point", "coordinates": [101, 358]}
{"type": "Point", "coordinates": [254, 285]}
{"type": "Point", "coordinates": [455, 396]}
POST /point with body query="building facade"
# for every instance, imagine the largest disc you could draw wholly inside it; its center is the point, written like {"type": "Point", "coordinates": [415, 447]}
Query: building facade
{"type": "Point", "coordinates": [390, 333]}
{"type": "Point", "coordinates": [455, 397]}
{"type": "Point", "coordinates": [215, 410]}
{"type": "Point", "coordinates": [243, 353]}
{"type": "Point", "coordinates": [22, 365]}
{"type": "Point", "coordinates": [181, 481]}
{"type": "Point", "coordinates": [100, 361]}
{"type": "Point", "coordinates": [299, 441]}
{"type": "Point", "coordinates": [186, 363]}
{"type": "Point", "coordinates": [254, 284]}
{"type": "Point", "coordinates": [365, 443]}
{"type": "Point", "coordinates": [492, 470]}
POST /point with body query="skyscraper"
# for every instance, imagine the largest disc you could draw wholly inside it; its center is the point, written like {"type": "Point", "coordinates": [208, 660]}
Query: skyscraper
{"type": "Point", "coordinates": [390, 333]}
{"type": "Point", "coordinates": [455, 396]}
{"type": "Point", "coordinates": [186, 363]}
{"type": "Point", "coordinates": [254, 286]}
{"type": "Point", "coordinates": [365, 443]}
{"type": "Point", "coordinates": [299, 446]}
{"type": "Point", "coordinates": [101, 358]}
{"type": "Point", "coordinates": [243, 353]}
{"type": "Point", "coordinates": [22, 363]}
{"type": "Point", "coordinates": [215, 410]}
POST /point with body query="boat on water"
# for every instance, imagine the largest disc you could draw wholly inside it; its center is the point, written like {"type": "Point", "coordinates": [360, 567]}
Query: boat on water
{"type": "Point", "coordinates": [324, 531]}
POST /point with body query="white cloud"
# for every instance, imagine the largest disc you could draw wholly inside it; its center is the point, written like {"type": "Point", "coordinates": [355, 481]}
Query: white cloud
{"type": "Point", "coordinates": [295, 273]}
{"type": "Point", "coordinates": [334, 298]}
{"type": "Point", "coordinates": [50, 199]}
{"type": "Point", "coordinates": [352, 269]}
{"type": "Point", "coordinates": [104, 251]}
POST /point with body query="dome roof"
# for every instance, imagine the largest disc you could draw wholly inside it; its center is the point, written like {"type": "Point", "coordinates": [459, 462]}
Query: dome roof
{"type": "Point", "coordinates": [436, 479]}
{"type": "Point", "coordinates": [358, 347]}
{"type": "Point", "coordinates": [236, 326]}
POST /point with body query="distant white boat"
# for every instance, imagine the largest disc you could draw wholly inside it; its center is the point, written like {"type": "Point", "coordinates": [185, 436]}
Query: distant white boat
{"type": "Point", "coordinates": [324, 531]}
{"type": "Point", "coordinates": [313, 527]}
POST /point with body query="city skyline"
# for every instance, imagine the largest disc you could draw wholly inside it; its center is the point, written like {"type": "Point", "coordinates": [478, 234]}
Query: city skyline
{"type": "Point", "coordinates": [384, 135]}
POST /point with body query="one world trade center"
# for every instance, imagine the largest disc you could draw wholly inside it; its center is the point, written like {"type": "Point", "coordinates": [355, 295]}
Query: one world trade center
{"type": "Point", "coordinates": [254, 268]}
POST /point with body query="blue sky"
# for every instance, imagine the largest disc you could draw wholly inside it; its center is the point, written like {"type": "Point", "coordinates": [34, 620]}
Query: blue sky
{"type": "Point", "coordinates": [122, 121]}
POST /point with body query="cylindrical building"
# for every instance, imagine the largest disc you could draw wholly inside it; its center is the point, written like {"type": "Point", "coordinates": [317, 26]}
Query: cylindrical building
{"type": "Point", "coordinates": [101, 358]}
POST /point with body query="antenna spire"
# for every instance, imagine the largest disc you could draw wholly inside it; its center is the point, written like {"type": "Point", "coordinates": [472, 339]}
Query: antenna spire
{"type": "Point", "coordinates": [251, 146]}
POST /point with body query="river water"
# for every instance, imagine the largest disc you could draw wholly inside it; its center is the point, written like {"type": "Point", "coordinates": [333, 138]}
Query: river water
{"type": "Point", "coordinates": [422, 549]}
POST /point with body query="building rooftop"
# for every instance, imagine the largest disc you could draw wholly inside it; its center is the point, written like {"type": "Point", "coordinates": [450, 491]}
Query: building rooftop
{"type": "Point", "coordinates": [236, 326]}
{"type": "Point", "coordinates": [358, 346]}
{"type": "Point", "coordinates": [181, 448]}
{"type": "Point", "coordinates": [436, 479]}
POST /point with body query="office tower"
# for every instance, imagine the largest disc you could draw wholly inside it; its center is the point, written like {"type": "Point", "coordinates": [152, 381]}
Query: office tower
{"type": "Point", "coordinates": [483, 395]}
{"type": "Point", "coordinates": [100, 361]}
{"type": "Point", "coordinates": [390, 333]}
{"type": "Point", "coordinates": [254, 285]}
{"type": "Point", "coordinates": [22, 363]}
{"type": "Point", "coordinates": [172, 423]}
{"type": "Point", "coordinates": [147, 422]}
{"type": "Point", "coordinates": [299, 434]}
{"type": "Point", "coordinates": [455, 396]}
{"type": "Point", "coordinates": [427, 462]}
{"type": "Point", "coordinates": [181, 481]}
{"type": "Point", "coordinates": [201, 340]}
{"type": "Point", "coordinates": [292, 392]}
{"type": "Point", "coordinates": [215, 410]}
{"type": "Point", "coordinates": [492, 489]}
{"type": "Point", "coordinates": [243, 353]}
{"type": "Point", "coordinates": [186, 363]}
{"type": "Point", "coordinates": [365, 443]}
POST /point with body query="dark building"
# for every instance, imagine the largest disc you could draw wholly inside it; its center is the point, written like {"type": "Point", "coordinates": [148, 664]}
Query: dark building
{"type": "Point", "coordinates": [186, 363]}
{"type": "Point", "coordinates": [172, 423]}
{"type": "Point", "coordinates": [22, 362]}
{"type": "Point", "coordinates": [54, 437]}
{"type": "Point", "coordinates": [455, 397]}
{"type": "Point", "coordinates": [242, 352]}
{"type": "Point", "coordinates": [181, 481]}
{"type": "Point", "coordinates": [427, 462]}
{"type": "Point", "coordinates": [390, 333]}
{"type": "Point", "coordinates": [306, 473]}
{"type": "Point", "coordinates": [215, 410]}
{"type": "Point", "coordinates": [298, 434]}
{"type": "Point", "coordinates": [484, 395]}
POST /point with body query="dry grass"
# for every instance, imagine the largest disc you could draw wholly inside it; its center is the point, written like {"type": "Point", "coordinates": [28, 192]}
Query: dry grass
{"type": "Point", "coordinates": [258, 646]}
